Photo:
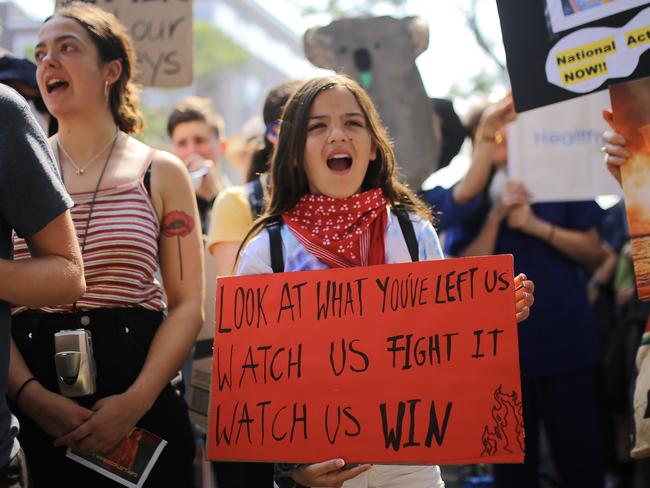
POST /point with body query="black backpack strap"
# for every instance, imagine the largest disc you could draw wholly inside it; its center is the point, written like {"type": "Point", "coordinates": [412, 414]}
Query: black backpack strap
{"type": "Point", "coordinates": [408, 232]}
{"type": "Point", "coordinates": [256, 198]}
{"type": "Point", "coordinates": [147, 179]}
{"type": "Point", "coordinates": [273, 227]}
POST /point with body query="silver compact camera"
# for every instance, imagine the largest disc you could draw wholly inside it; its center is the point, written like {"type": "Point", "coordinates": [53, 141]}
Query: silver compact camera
{"type": "Point", "coordinates": [75, 363]}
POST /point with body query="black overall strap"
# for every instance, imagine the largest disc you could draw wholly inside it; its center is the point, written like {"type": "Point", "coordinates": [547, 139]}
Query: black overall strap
{"type": "Point", "coordinates": [408, 232]}
{"type": "Point", "coordinates": [256, 198]}
{"type": "Point", "coordinates": [275, 245]}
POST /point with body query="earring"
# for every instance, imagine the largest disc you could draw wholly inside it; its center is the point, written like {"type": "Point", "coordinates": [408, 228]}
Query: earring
{"type": "Point", "coordinates": [106, 89]}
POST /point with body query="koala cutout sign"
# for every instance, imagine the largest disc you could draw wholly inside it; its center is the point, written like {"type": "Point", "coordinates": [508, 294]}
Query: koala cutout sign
{"type": "Point", "coordinates": [380, 52]}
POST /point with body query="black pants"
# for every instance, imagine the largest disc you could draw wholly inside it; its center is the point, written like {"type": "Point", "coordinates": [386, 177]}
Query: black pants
{"type": "Point", "coordinates": [566, 406]}
{"type": "Point", "coordinates": [243, 475]}
{"type": "Point", "coordinates": [14, 474]}
{"type": "Point", "coordinates": [121, 339]}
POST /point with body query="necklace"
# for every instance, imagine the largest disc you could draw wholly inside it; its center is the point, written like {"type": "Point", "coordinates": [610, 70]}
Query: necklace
{"type": "Point", "coordinates": [92, 203]}
{"type": "Point", "coordinates": [80, 170]}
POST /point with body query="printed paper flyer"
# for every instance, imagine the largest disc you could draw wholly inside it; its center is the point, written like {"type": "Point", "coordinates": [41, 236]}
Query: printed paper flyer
{"type": "Point", "coordinates": [130, 462]}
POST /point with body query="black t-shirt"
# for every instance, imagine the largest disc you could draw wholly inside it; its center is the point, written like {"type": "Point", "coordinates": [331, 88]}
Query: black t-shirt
{"type": "Point", "coordinates": [31, 195]}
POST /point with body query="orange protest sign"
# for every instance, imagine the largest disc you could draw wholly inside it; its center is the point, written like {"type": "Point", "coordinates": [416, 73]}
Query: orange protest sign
{"type": "Point", "coordinates": [401, 363]}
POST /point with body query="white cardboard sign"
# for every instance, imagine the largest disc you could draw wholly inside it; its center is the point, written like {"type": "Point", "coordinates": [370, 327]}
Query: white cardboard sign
{"type": "Point", "coordinates": [555, 150]}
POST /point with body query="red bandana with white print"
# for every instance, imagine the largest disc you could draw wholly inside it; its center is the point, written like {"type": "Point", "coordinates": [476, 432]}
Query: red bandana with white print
{"type": "Point", "coordinates": [342, 233]}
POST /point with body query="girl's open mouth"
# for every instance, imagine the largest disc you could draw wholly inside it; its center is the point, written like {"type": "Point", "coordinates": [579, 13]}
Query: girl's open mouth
{"type": "Point", "coordinates": [56, 85]}
{"type": "Point", "coordinates": [339, 162]}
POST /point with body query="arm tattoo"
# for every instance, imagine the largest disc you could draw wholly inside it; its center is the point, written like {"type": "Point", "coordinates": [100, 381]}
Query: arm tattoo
{"type": "Point", "coordinates": [177, 224]}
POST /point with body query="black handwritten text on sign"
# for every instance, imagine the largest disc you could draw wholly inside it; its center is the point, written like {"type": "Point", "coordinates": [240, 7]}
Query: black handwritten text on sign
{"type": "Point", "coordinates": [400, 363]}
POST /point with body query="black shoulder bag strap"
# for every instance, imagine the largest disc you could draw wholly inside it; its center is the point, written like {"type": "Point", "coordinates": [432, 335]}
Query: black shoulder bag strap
{"type": "Point", "coordinates": [408, 232]}
{"type": "Point", "coordinates": [256, 198]}
{"type": "Point", "coordinates": [147, 180]}
{"type": "Point", "coordinates": [275, 240]}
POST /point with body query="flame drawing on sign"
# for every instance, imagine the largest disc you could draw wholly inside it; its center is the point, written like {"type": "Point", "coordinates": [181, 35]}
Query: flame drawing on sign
{"type": "Point", "coordinates": [507, 435]}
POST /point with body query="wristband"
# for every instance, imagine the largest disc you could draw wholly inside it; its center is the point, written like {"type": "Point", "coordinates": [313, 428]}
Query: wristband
{"type": "Point", "coordinates": [22, 387]}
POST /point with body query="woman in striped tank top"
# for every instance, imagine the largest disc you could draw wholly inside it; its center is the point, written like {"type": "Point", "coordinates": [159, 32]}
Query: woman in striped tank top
{"type": "Point", "coordinates": [136, 220]}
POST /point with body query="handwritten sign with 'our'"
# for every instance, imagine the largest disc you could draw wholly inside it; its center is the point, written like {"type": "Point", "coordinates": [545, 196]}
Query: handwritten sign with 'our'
{"type": "Point", "coordinates": [402, 363]}
{"type": "Point", "coordinates": [161, 31]}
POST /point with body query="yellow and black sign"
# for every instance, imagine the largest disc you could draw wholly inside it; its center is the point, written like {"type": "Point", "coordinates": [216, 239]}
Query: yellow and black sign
{"type": "Point", "coordinates": [584, 72]}
{"type": "Point", "coordinates": [594, 51]}
{"type": "Point", "coordinates": [638, 37]}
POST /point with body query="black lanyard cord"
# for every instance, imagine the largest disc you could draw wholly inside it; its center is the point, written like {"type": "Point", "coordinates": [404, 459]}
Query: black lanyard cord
{"type": "Point", "coordinates": [92, 202]}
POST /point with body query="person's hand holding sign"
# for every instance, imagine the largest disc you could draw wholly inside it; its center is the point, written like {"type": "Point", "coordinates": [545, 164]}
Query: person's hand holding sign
{"type": "Point", "coordinates": [516, 199]}
{"type": "Point", "coordinates": [512, 198]}
{"type": "Point", "coordinates": [524, 296]}
{"type": "Point", "coordinates": [495, 117]}
{"type": "Point", "coordinates": [615, 154]}
{"type": "Point", "coordinates": [332, 473]}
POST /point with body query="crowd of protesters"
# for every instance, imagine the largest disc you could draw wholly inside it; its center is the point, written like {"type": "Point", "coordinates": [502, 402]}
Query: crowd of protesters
{"type": "Point", "coordinates": [113, 245]}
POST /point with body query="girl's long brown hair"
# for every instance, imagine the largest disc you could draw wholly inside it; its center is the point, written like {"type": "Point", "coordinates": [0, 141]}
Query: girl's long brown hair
{"type": "Point", "coordinates": [288, 180]}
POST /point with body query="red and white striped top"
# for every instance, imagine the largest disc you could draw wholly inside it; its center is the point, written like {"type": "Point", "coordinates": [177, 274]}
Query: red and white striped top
{"type": "Point", "coordinates": [121, 263]}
